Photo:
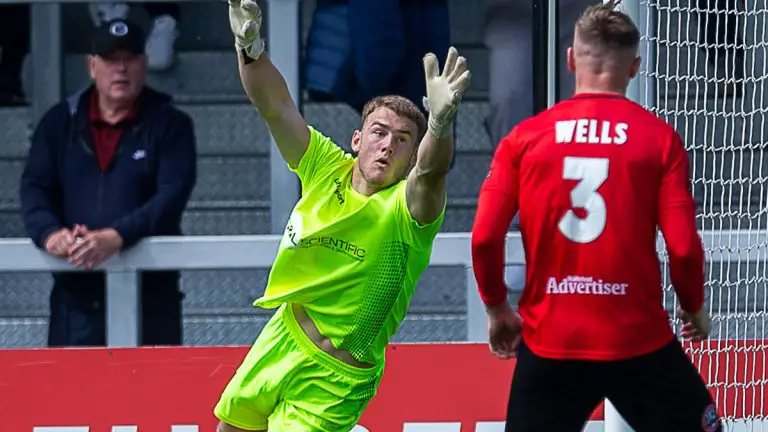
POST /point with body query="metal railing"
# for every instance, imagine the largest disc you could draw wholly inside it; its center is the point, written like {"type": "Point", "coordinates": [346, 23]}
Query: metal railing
{"type": "Point", "coordinates": [219, 252]}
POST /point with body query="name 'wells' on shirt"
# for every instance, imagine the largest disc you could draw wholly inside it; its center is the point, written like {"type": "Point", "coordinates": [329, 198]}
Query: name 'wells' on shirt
{"type": "Point", "coordinates": [590, 131]}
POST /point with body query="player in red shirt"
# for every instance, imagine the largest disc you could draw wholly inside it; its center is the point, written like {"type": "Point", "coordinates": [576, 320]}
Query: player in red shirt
{"type": "Point", "coordinates": [592, 178]}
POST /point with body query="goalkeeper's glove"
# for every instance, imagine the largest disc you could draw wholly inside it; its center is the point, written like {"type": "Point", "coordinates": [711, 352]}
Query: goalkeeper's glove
{"type": "Point", "coordinates": [245, 22]}
{"type": "Point", "coordinates": [444, 91]}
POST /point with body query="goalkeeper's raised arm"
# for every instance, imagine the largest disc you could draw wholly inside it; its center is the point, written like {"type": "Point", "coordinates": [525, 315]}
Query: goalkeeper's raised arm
{"type": "Point", "coordinates": [264, 85]}
{"type": "Point", "coordinates": [426, 182]}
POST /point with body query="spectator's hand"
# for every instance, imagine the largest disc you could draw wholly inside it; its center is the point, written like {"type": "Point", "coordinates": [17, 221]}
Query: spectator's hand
{"type": "Point", "coordinates": [59, 242]}
{"type": "Point", "coordinates": [444, 91]}
{"type": "Point", "coordinates": [245, 22]}
{"type": "Point", "coordinates": [504, 326]}
{"type": "Point", "coordinates": [92, 248]}
{"type": "Point", "coordinates": [695, 326]}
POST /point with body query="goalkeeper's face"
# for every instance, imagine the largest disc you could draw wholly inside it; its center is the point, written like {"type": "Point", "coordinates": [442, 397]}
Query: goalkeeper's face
{"type": "Point", "coordinates": [385, 147]}
{"type": "Point", "coordinates": [119, 76]}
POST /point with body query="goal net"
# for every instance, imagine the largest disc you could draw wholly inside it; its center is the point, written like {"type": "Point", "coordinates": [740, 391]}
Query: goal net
{"type": "Point", "coordinates": [705, 73]}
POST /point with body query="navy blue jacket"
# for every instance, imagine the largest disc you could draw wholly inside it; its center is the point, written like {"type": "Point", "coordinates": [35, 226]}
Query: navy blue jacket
{"type": "Point", "coordinates": [143, 193]}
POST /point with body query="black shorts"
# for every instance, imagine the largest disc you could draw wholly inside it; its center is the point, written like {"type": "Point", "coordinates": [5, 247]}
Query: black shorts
{"type": "Point", "coordinates": [657, 392]}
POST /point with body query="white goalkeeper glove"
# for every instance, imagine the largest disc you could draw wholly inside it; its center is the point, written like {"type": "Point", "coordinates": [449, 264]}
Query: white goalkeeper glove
{"type": "Point", "coordinates": [245, 22]}
{"type": "Point", "coordinates": [444, 91]}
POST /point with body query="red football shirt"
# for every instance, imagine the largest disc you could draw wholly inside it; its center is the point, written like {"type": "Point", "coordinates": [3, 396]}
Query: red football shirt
{"type": "Point", "coordinates": [592, 178]}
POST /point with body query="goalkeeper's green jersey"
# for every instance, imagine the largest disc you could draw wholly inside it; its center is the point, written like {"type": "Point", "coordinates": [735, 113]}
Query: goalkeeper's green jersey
{"type": "Point", "coordinates": [352, 261]}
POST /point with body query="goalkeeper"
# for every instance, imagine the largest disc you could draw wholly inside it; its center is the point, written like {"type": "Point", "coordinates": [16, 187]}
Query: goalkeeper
{"type": "Point", "coordinates": [353, 249]}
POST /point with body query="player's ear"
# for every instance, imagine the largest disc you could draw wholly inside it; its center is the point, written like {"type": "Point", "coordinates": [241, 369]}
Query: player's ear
{"type": "Point", "coordinates": [357, 136]}
{"type": "Point", "coordinates": [570, 60]}
{"type": "Point", "coordinates": [633, 71]}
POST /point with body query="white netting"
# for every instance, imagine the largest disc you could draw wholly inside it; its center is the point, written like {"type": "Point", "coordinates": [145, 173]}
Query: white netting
{"type": "Point", "coordinates": [705, 74]}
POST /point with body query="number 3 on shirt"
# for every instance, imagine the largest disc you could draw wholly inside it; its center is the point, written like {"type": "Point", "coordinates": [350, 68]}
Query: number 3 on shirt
{"type": "Point", "coordinates": [591, 173]}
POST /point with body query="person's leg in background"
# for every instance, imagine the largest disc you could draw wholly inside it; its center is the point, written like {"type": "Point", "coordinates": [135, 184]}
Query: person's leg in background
{"type": "Point", "coordinates": [426, 27]}
{"type": "Point", "coordinates": [14, 45]}
{"type": "Point", "coordinates": [354, 51]}
{"type": "Point", "coordinates": [77, 315]}
{"type": "Point", "coordinates": [378, 48]}
{"type": "Point", "coordinates": [327, 73]}
{"type": "Point", "coordinates": [161, 309]}
{"type": "Point", "coordinates": [720, 37]}
{"type": "Point", "coordinates": [162, 35]}
{"type": "Point", "coordinates": [508, 37]}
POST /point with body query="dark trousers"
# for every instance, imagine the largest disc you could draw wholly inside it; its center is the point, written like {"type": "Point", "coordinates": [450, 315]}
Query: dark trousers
{"type": "Point", "coordinates": [14, 45]}
{"type": "Point", "coordinates": [657, 392]}
{"type": "Point", "coordinates": [719, 25]}
{"type": "Point", "coordinates": [79, 319]}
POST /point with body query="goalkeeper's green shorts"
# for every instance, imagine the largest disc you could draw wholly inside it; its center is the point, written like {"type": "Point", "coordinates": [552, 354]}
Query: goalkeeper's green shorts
{"type": "Point", "coordinates": [288, 384]}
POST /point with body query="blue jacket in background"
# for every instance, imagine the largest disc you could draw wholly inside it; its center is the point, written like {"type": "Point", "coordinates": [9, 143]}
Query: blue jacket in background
{"type": "Point", "coordinates": [360, 49]}
{"type": "Point", "coordinates": [143, 193]}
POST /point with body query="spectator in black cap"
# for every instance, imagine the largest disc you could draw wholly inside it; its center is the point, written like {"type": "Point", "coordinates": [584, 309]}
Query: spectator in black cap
{"type": "Point", "coordinates": [109, 166]}
{"type": "Point", "coordinates": [164, 17]}
{"type": "Point", "coordinates": [117, 63]}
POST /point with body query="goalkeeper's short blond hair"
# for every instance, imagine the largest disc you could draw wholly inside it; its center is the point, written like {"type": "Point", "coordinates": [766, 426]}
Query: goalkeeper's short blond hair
{"type": "Point", "coordinates": [401, 106]}
{"type": "Point", "coordinates": [603, 26]}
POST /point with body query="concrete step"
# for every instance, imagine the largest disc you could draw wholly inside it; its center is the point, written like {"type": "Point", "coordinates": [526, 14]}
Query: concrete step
{"type": "Point", "coordinates": [232, 192]}
{"type": "Point", "coordinates": [211, 76]}
{"type": "Point", "coordinates": [685, 72]}
{"type": "Point", "coordinates": [197, 221]}
{"type": "Point", "coordinates": [715, 124]}
{"type": "Point", "coordinates": [234, 142]}
{"type": "Point", "coordinates": [731, 180]}
{"type": "Point", "coordinates": [726, 157]}
{"type": "Point", "coordinates": [221, 183]}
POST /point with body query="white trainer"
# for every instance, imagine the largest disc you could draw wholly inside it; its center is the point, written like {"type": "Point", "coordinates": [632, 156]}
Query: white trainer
{"type": "Point", "coordinates": [162, 37]}
{"type": "Point", "coordinates": [105, 12]}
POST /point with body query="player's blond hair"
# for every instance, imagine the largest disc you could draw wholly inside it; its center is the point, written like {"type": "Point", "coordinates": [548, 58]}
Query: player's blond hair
{"type": "Point", "coordinates": [400, 106]}
{"type": "Point", "coordinates": [603, 26]}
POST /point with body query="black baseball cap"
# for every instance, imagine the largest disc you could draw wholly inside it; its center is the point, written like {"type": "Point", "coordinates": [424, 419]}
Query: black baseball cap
{"type": "Point", "coordinates": [118, 35]}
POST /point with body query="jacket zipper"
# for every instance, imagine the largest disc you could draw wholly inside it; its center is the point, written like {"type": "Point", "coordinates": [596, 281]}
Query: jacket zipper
{"type": "Point", "coordinates": [100, 199]}
{"type": "Point", "coordinates": [100, 190]}
{"type": "Point", "coordinates": [100, 194]}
